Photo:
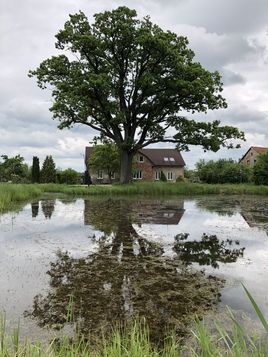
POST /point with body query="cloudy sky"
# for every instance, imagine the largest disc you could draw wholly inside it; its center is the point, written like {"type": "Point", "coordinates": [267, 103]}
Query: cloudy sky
{"type": "Point", "coordinates": [230, 36]}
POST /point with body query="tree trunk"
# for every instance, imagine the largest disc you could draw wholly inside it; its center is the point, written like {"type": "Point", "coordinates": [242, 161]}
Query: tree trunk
{"type": "Point", "coordinates": [126, 166]}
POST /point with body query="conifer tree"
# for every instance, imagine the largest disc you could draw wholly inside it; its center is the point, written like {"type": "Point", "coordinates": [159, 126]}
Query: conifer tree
{"type": "Point", "coordinates": [35, 170]}
{"type": "Point", "coordinates": [48, 172]}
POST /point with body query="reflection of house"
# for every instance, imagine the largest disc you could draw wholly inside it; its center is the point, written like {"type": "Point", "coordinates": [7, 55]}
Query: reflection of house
{"type": "Point", "coordinates": [249, 219]}
{"type": "Point", "coordinates": [141, 212]}
{"type": "Point", "coordinates": [250, 156]}
{"type": "Point", "coordinates": [152, 165]}
{"type": "Point", "coordinates": [165, 213]}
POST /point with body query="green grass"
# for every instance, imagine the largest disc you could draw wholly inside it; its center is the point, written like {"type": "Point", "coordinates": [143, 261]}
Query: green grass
{"type": "Point", "coordinates": [132, 340]}
{"type": "Point", "coordinates": [13, 193]}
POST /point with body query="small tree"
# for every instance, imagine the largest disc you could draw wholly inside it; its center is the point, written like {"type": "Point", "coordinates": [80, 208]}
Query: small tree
{"type": "Point", "coordinates": [48, 172]}
{"type": "Point", "coordinates": [106, 158]}
{"type": "Point", "coordinates": [87, 178]}
{"type": "Point", "coordinates": [35, 170]}
{"type": "Point", "coordinates": [68, 176]}
{"type": "Point", "coordinates": [13, 166]}
{"type": "Point", "coordinates": [260, 169]}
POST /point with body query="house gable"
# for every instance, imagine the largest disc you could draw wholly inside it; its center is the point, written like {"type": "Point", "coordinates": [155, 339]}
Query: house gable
{"type": "Point", "coordinates": [157, 161]}
{"type": "Point", "coordinates": [250, 156]}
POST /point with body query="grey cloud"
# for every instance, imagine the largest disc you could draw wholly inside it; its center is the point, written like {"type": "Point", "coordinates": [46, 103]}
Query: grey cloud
{"type": "Point", "coordinates": [230, 78]}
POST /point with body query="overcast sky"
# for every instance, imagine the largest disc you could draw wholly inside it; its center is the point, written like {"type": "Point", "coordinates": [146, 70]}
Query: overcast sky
{"type": "Point", "coordinates": [230, 36]}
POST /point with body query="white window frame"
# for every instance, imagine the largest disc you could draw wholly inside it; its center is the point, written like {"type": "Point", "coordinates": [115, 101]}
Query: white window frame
{"type": "Point", "coordinates": [137, 175]}
{"type": "Point", "coordinates": [141, 158]}
{"type": "Point", "coordinates": [100, 175]}
{"type": "Point", "coordinates": [170, 176]}
{"type": "Point", "coordinates": [157, 175]}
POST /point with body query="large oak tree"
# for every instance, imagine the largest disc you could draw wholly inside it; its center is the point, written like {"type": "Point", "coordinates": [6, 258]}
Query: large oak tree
{"type": "Point", "coordinates": [131, 81]}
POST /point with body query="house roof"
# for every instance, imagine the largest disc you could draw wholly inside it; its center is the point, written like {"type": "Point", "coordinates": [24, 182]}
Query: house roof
{"type": "Point", "coordinates": [258, 149]}
{"type": "Point", "coordinates": [158, 157]}
{"type": "Point", "coordinates": [163, 157]}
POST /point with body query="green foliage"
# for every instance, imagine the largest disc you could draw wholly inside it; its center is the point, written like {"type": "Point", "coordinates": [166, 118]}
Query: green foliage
{"type": "Point", "coordinates": [87, 178]}
{"type": "Point", "coordinates": [105, 158]}
{"type": "Point", "coordinates": [69, 176]}
{"type": "Point", "coordinates": [163, 177]}
{"type": "Point", "coordinates": [48, 171]}
{"type": "Point", "coordinates": [235, 343]}
{"type": "Point", "coordinates": [13, 166]}
{"type": "Point", "coordinates": [129, 80]}
{"type": "Point", "coordinates": [223, 171]}
{"type": "Point", "coordinates": [181, 178]}
{"type": "Point", "coordinates": [260, 169]}
{"type": "Point", "coordinates": [35, 170]}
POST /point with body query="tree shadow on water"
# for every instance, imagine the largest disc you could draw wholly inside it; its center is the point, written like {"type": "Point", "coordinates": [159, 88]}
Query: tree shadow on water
{"type": "Point", "coordinates": [127, 277]}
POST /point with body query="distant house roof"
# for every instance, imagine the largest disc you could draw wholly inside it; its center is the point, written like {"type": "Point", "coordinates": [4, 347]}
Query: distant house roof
{"type": "Point", "coordinates": [258, 149]}
{"type": "Point", "coordinates": [163, 157]}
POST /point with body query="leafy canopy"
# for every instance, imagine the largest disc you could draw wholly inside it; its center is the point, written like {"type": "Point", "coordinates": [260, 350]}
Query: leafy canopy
{"type": "Point", "coordinates": [130, 80]}
{"type": "Point", "coordinates": [223, 171]}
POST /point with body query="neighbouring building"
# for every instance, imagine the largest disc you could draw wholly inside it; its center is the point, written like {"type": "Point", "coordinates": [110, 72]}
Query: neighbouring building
{"type": "Point", "coordinates": [250, 156]}
{"type": "Point", "coordinates": [151, 165]}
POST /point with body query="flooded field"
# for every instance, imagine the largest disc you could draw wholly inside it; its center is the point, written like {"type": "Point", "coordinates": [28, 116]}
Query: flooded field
{"type": "Point", "coordinates": [165, 259]}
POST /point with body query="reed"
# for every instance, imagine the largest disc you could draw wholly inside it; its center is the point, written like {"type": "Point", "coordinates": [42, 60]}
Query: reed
{"type": "Point", "coordinates": [133, 340]}
{"type": "Point", "coordinates": [12, 193]}
{"type": "Point", "coordinates": [235, 343]}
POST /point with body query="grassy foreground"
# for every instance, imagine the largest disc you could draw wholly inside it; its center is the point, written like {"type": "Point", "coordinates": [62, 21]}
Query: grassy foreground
{"type": "Point", "coordinates": [12, 193]}
{"type": "Point", "coordinates": [134, 341]}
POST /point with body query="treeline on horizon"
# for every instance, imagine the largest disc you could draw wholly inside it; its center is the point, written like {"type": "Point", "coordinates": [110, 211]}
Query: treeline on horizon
{"type": "Point", "coordinates": [222, 171]}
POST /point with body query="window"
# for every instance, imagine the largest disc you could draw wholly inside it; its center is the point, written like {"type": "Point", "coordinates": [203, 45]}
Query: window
{"type": "Point", "coordinates": [138, 175]}
{"type": "Point", "coordinates": [100, 175]}
{"type": "Point", "coordinates": [169, 159]}
{"type": "Point", "coordinates": [168, 214]}
{"type": "Point", "coordinates": [170, 176]}
{"type": "Point", "coordinates": [157, 175]}
{"type": "Point", "coordinates": [112, 175]}
{"type": "Point", "coordinates": [141, 158]}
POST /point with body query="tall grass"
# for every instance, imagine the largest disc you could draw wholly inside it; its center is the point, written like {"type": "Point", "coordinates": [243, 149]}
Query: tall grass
{"type": "Point", "coordinates": [12, 193]}
{"type": "Point", "coordinates": [133, 340]}
{"type": "Point", "coordinates": [236, 343]}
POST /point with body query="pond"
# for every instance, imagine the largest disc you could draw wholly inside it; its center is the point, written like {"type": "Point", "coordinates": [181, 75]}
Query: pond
{"type": "Point", "coordinates": [166, 259]}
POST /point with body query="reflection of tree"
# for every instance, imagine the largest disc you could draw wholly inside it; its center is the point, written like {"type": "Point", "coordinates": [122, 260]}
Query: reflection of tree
{"type": "Point", "coordinates": [48, 207]}
{"type": "Point", "coordinates": [35, 208]}
{"type": "Point", "coordinates": [127, 277]}
{"type": "Point", "coordinates": [209, 251]}
{"type": "Point", "coordinates": [116, 284]}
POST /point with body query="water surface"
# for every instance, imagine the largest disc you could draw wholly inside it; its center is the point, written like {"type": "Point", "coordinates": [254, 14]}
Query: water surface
{"type": "Point", "coordinates": [164, 258]}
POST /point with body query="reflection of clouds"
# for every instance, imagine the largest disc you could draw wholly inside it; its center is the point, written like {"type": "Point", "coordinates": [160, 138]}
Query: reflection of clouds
{"type": "Point", "coordinates": [228, 224]}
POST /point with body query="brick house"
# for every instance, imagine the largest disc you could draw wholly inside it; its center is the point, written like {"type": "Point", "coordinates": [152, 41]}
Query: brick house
{"type": "Point", "coordinates": [250, 156]}
{"type": "Point", "coordinates": [152, 164]}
